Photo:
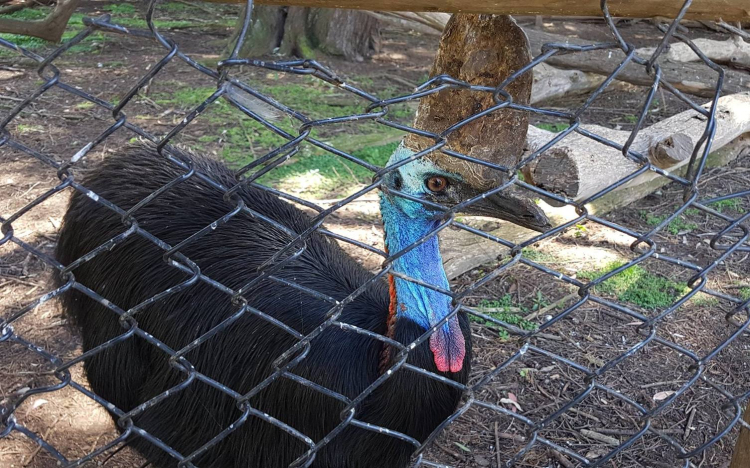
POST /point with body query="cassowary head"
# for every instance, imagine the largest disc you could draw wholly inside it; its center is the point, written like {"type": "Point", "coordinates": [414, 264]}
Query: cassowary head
{"type": "Point", "coordinates": [481, 50]}
{"type": "Point", "coordinates": [425, 180]}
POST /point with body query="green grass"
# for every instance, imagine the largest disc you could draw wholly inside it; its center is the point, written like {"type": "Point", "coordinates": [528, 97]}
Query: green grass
{"type": "Point", "coordinates": [630, 118]}
{"type": "Point", "coordinates": [30, 14]}
{"type": "Point", "coordinates": [704, 300]}
{"type": "Point", "coordinates": [120, 9]}
{"type": "Point", "coordinates": [75, 26]}
{"type": "Point", "coordinates": [125, 14]}
{"type": "Point", "coordinates": [537, 256]}
{"type": "Point", "coordinates": [506, 316]}
{"type": "Point", "coordinates": [552, 127]}
{"type": "Point", "coordinates": [637, 286]}
{"type": "Point", "coordinates": [745, 293]}
{"type": "Point", "coordinates": [312, 171]}
{"type": "Point", "coordinates": [327, 173]}
{"type": "Point", "coordinates": [732, 204]}
{"type": "Point", "coordinates": [676, 226]}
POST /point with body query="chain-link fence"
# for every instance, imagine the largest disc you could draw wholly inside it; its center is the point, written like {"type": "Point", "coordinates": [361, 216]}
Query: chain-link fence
{"type": "Point", "coordinates": [648, 394]}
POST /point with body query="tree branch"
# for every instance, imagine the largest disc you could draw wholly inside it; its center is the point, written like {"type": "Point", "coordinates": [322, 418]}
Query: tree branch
{"type": "Point", "coordinates": [50, 28]}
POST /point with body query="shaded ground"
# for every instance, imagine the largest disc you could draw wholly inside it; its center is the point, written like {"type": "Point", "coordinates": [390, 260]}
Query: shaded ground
{"type": "Point", "coordinates": [106, 66]}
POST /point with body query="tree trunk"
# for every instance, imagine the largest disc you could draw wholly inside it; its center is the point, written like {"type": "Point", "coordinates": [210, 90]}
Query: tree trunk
{"type": "Point", "coordinates": [304, 32]}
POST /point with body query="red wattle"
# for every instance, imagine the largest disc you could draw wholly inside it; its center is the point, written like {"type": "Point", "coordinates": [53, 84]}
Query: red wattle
{"type": "Point", "coordinates": [448, 347]}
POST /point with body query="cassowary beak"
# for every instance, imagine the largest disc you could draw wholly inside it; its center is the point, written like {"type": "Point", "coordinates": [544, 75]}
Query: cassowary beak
{"type": "Point", "coordinates": [511, 206]}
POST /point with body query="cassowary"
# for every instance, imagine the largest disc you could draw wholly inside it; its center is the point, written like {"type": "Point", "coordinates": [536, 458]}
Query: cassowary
{"type": "Point", "coordinates": [133, 371]}
{"type": "Point", "coordinates": [240, 357]}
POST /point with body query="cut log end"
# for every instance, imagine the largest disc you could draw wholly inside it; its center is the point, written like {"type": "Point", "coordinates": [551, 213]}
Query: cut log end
{"type": "Point", "coordinates": [556, 172]}
{"type": "Point", "coordinates": [671, 150]}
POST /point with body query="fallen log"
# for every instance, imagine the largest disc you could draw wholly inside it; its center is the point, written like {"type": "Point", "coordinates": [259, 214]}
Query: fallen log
{"type": "Point", "coordinates": [734, 52]}
{"type": "Point", "coordinates": [463, 251]}
{"type": "Point", "coordinates": [551, 83]}
{"type": "Point", "coordinates": [579, 167]}
{"type": "Point", "coordinates": [730, 10]}
{"type": "Point", "coordinates": [50, 28]}
{"type": "Point", "coordinates": [692, 78]}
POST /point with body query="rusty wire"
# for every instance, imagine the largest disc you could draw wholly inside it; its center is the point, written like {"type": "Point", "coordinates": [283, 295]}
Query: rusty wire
{"type": "Point", "coordinates": [733, 238]}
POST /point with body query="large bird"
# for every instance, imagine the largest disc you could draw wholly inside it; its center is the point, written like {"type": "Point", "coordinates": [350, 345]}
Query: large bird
{"type": "Point", "coordinates": [241, 356]}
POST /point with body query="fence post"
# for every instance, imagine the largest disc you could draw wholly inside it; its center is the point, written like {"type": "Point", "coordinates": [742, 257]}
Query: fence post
{"type": "Point", "coordinates": [741, 458]}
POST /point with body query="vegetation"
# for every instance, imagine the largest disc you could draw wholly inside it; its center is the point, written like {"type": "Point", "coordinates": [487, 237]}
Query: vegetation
{"type": "Point", "coordinates": [637, 286]}
{"type": "Point", "coordinates": [676, 226]}
{"type": "Point", "coordinates": [125, 14]}
{"type": "Point", "coordinates": [552, 127]}
{"type": "Point", "coordinates": [537, 256]}
{"type": "Point", "coordinates": [731, 204]}
{"type": "Point", "coordinates": [313, 171]}
{"type": "Point", "coordinates": [503, 309]}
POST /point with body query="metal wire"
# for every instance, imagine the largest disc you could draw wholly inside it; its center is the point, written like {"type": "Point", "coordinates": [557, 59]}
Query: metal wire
{"type": "Point", "coordinates": [645, 246]}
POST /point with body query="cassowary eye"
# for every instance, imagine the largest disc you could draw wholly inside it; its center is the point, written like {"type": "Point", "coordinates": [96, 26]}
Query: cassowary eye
{"type": "Point", "coordinates": [436, 184]}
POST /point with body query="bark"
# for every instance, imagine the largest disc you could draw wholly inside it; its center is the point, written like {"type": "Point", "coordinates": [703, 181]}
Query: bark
{"type": "Point", "coordinates": [579, 167]}
{"type": "Point", "coordinates": [305, 32]}
{"type": "Point", "coordinates": [693, 78]}
{"type": "Point", "coordinates": [551, 83]}
{"type": "Point", "coordinates": [462, 251]}
{"type": "Point", "coordinates": [734, 52]}
{"type": "Point", "coordinates": [729, 10]}
{"type": "Point", "coordinates": [50, 28]}
{"type": "Point", "coordinates": [741, 456]}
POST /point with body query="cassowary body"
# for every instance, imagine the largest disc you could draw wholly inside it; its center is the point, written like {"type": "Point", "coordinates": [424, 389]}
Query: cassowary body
{"type": "Point", "coordinates": [240, 357]}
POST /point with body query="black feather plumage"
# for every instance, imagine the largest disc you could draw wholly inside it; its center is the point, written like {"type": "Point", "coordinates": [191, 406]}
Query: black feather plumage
{"type": "Point", "coordinates": [240, 357]}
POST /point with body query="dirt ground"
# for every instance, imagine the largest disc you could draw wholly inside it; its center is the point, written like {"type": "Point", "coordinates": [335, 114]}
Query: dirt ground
{"type": "Point", "coordinates": [541, 383]}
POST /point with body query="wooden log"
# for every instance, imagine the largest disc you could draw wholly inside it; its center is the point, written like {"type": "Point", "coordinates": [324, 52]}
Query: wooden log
{"type": "Point", "coordinates": [734, 52]}
{"type": "Point", "coordinates": [692, 78]}
{"type": "Point", "coordinates": [463, 251]}
{"type": "Point", "coordinates": [50, 28]}
{"type": "Point", "coordinates": [578, 167]}
{"type": "Point", "coordinates": [741, 457]}
{"type": "Point", "coordinates": [729, 10]}
{"type": "Point", "coordinates": [551, 82]}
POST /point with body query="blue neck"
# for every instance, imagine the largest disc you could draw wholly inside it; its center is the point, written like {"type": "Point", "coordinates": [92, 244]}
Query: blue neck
{"type": "Point", "coordinates": [422, 305]}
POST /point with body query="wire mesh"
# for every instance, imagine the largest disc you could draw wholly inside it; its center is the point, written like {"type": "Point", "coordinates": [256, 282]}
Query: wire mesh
{"type": "Point", "coordinates": [528, 433]}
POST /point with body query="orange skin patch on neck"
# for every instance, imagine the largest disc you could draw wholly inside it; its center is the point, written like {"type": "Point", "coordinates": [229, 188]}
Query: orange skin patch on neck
{"type": "Point", "coordinates": [385, 358]}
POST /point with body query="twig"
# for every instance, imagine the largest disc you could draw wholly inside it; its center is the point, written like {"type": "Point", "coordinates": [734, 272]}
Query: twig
{"type": "Point", "coordinates": [402, 81]}
{"type": "Point", "coordinates": [44, 437]}
{"type": "Point", "coordinates": [497, 446]}
{"type": "Point", "coordinates": [585, 414]}
{"type": "Point", "coordinates": [19, 6]}
{"type": "Point", "coordinates": [661, 384]}
{"type": "Point", "coordinates": [547, 336]}
{"type": "Point", "coordinates": [562, 459]}
{"type": "Point", "coordinates": [491, 310]}
{"type": "Point", "coordinates": [724, 25]}
{"type": "Point", "coordinates": [552, 306]}
{"type": "Point", "coordinates": [450, 452]}
{"type": "Point", "coordinates": [200, 7]}
{"type": "Point", "coordinates": [629, 432]}
{"type": "Point", "coordinates": [507, 435]}
{"type": "Point", "coordinates": [689, 424]}
{"type": "Point", "coordinates": [600, 437]}
{"type": "Point", "coordinates": [11, 98]}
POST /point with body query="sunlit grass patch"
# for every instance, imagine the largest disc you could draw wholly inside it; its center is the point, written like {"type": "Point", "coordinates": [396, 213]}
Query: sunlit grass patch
{"type": "Point", "coordinates": [637, 286]}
